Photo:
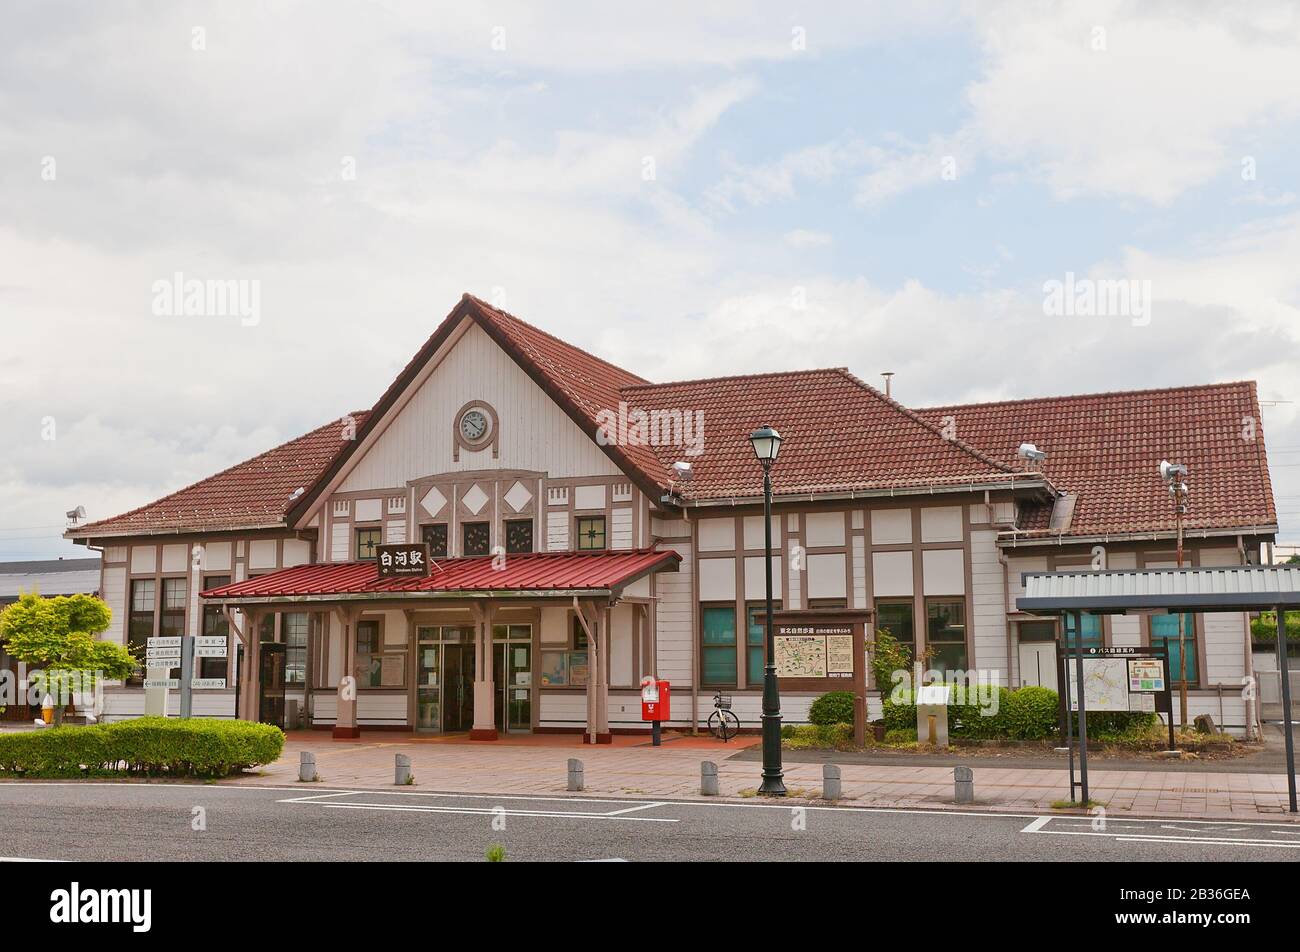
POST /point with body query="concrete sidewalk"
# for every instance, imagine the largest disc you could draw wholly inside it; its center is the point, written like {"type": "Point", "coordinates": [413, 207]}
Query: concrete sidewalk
{"type": "Point", "coordinates": [673, 772]}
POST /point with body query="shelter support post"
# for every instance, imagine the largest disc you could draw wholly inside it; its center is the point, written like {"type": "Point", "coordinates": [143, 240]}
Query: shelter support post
{"type": "Point", "coordinates": [1282, 667]}
{"type": "Point", "coordinates": [1064, 671]}
{"type": "Point", "coordinates": [1083, 709]}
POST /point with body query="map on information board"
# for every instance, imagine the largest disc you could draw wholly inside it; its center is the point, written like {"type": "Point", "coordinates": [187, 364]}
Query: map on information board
{"type": "Point", "coordinates": [800, 656]}
{"type": "Point", "coordinates": [1105, 684]}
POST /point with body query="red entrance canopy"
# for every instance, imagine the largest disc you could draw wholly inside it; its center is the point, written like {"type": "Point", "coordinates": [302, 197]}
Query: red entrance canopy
{"type": "Point", "coordinates": [534, 573]}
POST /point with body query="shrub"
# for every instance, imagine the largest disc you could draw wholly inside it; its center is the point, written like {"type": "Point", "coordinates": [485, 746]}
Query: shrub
{"type": "Point", "coordinates": [1031, 713]}
{"type": "Point", "coordinates": [144, 746]}
{"type": "Point", "coordinates": [834, 707]}
{"type": "Point", "coordinates": [1263, 629]}
{"type": "Point", "coordinates": [806, 736]}
{"type": "Point", "coordinates": [1116, 726]}
{"type": "Point", "coordinates": [888, 655]}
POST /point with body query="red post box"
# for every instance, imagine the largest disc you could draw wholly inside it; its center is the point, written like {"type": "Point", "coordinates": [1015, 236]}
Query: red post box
{"type": "Point", "coordinates": [655, 700]}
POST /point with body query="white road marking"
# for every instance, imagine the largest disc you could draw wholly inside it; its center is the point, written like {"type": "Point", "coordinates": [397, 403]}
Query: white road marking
{"type": "Point", "coordinates": [643, 806]}
{"type": "Point", "coordinates": [844, 808]}
{"type": "Point", "coordinates": [1207, 841]}
{"type": "Point", "coordinates": [481, 811]}
{"type": "Point", "coordinates": [27, 859]}
{"type": "Point", "coordinates": [323, 796]}
{"type": "Point", "coordinates": [1124, 832]}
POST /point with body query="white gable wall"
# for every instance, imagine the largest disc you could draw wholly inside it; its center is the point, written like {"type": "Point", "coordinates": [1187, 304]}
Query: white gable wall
{"type": "Point", "coordinates": [535, 434]}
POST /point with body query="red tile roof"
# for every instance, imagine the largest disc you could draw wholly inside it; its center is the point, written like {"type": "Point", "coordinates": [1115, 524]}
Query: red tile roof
{"type": "Point", "coordinates": [251, 495]}
{"type": "Point", "coordinates": [534, 572]}
{"type": "Point", "coordinates": [581, 383]}
{"type": "Point", "coordinates": [1106, 448]}
{"type": "Point", "coordinates": [840, 435]}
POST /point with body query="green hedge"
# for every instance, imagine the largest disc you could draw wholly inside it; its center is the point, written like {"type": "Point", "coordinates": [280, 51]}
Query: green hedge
{"type": "Point", "coordinates": [144, 746]}
{"type": "Point", "coordinates": [1264, 629]}
{"type": "Point", "coordinates": [1022, 714]}
{"type": "Point", "coordinates": [834, 707]}
{"type": "Point", "coordinates": [1109, 726]}
{"type": "Point", "coordinates": [1029, 713]}
{"type": "Point", "coordinates": [806, 736]}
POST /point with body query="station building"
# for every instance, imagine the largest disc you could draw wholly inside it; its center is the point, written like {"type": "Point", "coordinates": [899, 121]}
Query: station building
{"type": "Point", "coordinates": [573, 556]}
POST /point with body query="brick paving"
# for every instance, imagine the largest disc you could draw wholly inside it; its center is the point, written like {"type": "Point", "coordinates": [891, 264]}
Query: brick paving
{"type": "Point", "coordinates": [631, 768]}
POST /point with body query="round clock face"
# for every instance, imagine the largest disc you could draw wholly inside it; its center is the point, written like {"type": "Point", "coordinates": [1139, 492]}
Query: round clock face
{"type": "Point", "coordinates": [474, 425]}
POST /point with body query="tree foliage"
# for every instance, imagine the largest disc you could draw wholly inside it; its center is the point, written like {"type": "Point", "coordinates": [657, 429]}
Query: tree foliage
{"type": "Point", "coordinates": [58, 635]}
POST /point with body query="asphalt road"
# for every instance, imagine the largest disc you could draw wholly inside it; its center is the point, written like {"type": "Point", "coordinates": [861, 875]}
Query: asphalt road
{"type": "Point", "coordinates": [123, 822]}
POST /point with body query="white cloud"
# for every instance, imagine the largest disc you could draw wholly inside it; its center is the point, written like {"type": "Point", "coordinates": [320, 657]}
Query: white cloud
{"type": "Point", "coordinates": [807, 238]}
{"type": "Point", "coordinates": [1171, 100]}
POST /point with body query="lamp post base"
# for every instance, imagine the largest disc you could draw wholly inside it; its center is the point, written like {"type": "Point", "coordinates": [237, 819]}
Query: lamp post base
{"type": "Point", "coordinates": [773, 783]}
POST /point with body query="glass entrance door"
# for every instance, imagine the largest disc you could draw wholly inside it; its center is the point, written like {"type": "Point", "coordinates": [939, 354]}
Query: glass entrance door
{"type": "Point", "coordinates": [444, 678]}
{"type": "Point", "coordinates": [270, 708]}
{"type": "Point", "coordinates": [458, 676]}
{"type": "Point", "coordinates": [512, 672]}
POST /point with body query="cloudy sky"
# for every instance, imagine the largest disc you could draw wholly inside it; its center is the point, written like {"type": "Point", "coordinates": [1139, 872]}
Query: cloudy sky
{"type": "Point", "coordinates": [685, 189]}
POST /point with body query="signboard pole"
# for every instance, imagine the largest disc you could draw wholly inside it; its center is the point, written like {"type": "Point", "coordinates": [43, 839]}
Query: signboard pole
{"type": "Point", "coordinates": [187, 676]}
{"type": "Point", "coordinates": [1282, 667]}
{"type": "Point", "coordinates": [1083, 712]}
{"type": "Point", "coordinates": [1169, 697]}
{"type": "Point", "coordinates": [1065, 694]}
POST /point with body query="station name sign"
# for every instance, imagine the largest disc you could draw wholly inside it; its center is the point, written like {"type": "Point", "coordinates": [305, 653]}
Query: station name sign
{"type": "Point", "coordinates": [403, 560]}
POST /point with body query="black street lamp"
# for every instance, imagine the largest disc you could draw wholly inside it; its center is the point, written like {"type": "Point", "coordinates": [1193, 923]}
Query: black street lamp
{"type": "Point", "coordinates": [767, 443]}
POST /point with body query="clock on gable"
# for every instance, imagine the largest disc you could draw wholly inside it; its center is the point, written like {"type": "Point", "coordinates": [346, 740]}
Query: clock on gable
{"type": "Point", "coordinates": [474, 425]}
{"type": "Point", "coordinates": [474, 428]}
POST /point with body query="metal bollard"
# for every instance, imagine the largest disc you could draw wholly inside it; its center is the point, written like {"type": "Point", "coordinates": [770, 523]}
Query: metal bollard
{"type": "Point", "coordinates": [307, 767]}
{"type": "Point", "coordinates": [831, 787]}
{"type": "Point", "coordinates": [575, 774]}
{"type": "Point", "coordinates": [708, 779]}
{"type": "Point", "coordinates": [964, 783]}
{"type": "Point", "coordinates": [402, 771]}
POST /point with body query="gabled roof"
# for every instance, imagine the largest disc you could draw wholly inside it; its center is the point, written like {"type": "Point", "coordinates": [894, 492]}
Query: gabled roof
{"type": "Point", "coordinates": [1106, 448]}
{"type": "Point", "coordinates": [546, 573]}
{"type": "Point", "coordinates": [840, 435]}
{"type": "Point", "coordinates": [250, 495]}
{"type": "Point", "coordinates": [579, 382]}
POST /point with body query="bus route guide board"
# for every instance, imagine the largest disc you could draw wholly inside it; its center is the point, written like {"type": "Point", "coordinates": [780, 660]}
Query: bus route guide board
{"type": "Point", "coordinates": [1120, 679]}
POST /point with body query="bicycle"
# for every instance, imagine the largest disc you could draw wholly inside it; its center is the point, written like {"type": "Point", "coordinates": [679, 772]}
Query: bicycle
{"type": "Point", "coordinates": [723, 723]}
